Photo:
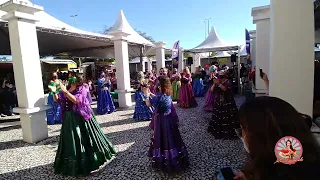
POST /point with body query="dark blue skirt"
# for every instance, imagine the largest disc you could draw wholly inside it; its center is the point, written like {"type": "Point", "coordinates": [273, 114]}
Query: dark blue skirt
{"type": "Point", "coordinates": [104, 103]}
{"type": "Point", "coordinates": [53, 114]}
{"type": "Point", "coordinates": [198, 88]}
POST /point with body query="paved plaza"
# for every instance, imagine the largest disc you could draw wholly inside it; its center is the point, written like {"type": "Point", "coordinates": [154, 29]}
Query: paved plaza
{"type": "Point", "coordinates": [20, 160]}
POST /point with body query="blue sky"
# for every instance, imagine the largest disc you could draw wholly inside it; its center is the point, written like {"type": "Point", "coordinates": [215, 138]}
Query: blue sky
{"type": "Point", "coordinates": [164, 20]}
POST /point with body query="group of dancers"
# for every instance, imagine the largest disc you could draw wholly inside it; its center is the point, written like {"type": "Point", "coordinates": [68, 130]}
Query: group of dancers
{"type": "Point", "coordinates": [185, 87]}
{"type": "Point", "coordinates": [83, 147]}
{"type": "Point", "coordinates": [105, 104]}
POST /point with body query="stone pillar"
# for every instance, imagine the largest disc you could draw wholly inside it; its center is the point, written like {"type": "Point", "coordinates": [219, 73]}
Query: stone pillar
{"type": "Point", "coordinates": [122, 67]}
{"type": "Point", "coordinates": [160, 55]}
{"type": "Point", "coordinates": [292, 53]}
{"type": "Point", "coordinates": [149, 64]}
{"type": "Point", "coordinates": [181, 60]}
{"type": "Point", "coordinates": [143, 68]}
{"type": "Point", "coordinates": [27, 69]}
{"type": "Point", "coordinates": [196, 61]}
{"type": "Point", "coordinates": [261, 17]}
{"type": "Point", "coordinates": [253, 48]}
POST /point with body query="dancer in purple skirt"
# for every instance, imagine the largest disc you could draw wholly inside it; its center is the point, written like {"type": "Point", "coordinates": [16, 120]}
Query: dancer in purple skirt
{"type": "Point", "coordinates": [211, 94]}
{"type": "Point", "coordinates": [167, 151]}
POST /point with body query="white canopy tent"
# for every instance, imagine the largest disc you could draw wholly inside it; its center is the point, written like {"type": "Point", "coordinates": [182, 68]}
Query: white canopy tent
{"type": "Point", "coordinates": [55, 36]}
{"type": "Point", "coordinates": [222, 54]}
{"type": "Point", "coordinates": [145, 59]}
{"type": "Point", "coordinates": [213, 44]}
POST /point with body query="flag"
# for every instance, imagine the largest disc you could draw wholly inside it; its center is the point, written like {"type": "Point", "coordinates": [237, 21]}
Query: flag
{"type": "Point", "coordinates": [175, 54]}
{"type": "Point", "coordinates": [247, 42]}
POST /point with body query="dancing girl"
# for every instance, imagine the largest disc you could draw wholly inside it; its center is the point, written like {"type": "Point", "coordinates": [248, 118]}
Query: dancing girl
{"type": "Point", "coordinates": [186, 97]}
{"type": "Point", "coordinates": [141, 111]}
{"type": "Point", "coordinates": [224, 120]}
{"type": "Point", "coordinates": [176, 84]}
{"type": "Point", "coordinates": [105, 104]}
{"type": "Point", "coordinates": [167, 151]}
{"type": "Point", "coordinates": [83, 147]}
{"type": "Point", "coordinates": [53, 114]}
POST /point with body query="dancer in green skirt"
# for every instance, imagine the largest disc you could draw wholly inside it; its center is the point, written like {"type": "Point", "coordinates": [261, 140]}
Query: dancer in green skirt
{"type": "Point", "coordinates": [83, 147]}
{"type": "Point", "coordinates": [176, 84]}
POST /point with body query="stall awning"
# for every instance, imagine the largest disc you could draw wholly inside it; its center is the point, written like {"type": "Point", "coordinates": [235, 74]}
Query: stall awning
{"type": "Point", "coordinates": [58, 61]}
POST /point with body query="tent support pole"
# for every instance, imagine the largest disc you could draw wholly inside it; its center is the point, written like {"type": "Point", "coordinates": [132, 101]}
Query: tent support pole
{"type": "Point", "coordinates": [239, 79]}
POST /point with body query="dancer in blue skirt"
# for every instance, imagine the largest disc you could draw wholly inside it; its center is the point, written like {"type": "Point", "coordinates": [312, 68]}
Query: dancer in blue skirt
{"type": "Point", "coordinates": [53, 114]}
{"type": "Point", "coordinates": [141, 112]}
{"type": "Point", "coordinates": [105, 104]}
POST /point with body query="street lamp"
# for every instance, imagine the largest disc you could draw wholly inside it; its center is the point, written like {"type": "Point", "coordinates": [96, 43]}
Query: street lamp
{"type": "Point", "coordinates": [205, 29]}
{"type": "Point", "coordinates": [208, 25]}
{"type": "Point", "coordinates": [74, 19]}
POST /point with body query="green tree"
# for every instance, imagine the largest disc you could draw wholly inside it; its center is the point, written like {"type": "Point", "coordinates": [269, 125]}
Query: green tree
{"type": "Point", "coordinates": [213, 54]}
{"type": "Point", "coordinates": [186, 55]}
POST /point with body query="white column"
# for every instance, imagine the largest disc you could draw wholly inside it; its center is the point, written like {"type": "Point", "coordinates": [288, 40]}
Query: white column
{"type": "Point", "coordinates": [122, 67]}
{"type": "Point", "coordinates": [181, 59]}
{"type": "Point", "coordinates": [143, 68]}
{"type": "Point", "coordinates": [196, 62]}
{"type": "Point", "coordinates": [149, 64]}
{"type": "Point", "coordinates": [27, 70]}
{"type": "Point", "coordinates": [253, 48]}
{"type": "Point", "coordinates": [261, 17]}
{"type": "Point", "coordinates": [292, 53]}
{"type": "Point", "coordinates": [160, 55]}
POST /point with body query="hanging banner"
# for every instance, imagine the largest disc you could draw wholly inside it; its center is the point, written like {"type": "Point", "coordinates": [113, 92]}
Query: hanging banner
{"type": "Point", "coordinates": [247, 42]}
{"type": "Point", "coordinates": [175, 54]}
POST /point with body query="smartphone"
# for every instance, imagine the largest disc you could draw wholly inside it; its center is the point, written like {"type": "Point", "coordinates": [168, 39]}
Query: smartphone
{"type": "Point", "coordinates": [261, 73]}
{"type": "Point", "coordinates": [227, 173]}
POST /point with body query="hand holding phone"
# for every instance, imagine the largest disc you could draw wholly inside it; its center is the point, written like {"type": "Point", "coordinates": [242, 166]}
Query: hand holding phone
{"type": "Point", "coordinates": [227, 173]}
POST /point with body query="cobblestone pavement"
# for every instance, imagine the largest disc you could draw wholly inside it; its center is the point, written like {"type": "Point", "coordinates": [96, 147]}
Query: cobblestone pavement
{"type": "Point", "coordinates": [20, 160]}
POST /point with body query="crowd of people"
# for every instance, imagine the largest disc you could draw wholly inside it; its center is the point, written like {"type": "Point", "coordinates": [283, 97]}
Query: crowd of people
{"type": "Point", "coordinates": [8, 96]}
{"type": "Point", "coordinates": [259, 123]}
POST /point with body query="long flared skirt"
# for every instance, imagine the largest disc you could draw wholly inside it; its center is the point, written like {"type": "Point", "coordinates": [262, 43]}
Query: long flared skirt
{"type": "Point", "coordinates": [224, 120]}
{"type": "Point", "coordinates": [53, 114]}
{"type": "Point", "coordinates": [175, 90]}
{"type": "Point", "coordinates": [198, 88]}
{"type": "Point", "coordinates": [82, 146]}
{"type": "Point", "coordinates": [186, 96]}
{"type": "Point", "coordinates": [209, 101]}
{"type": "Point", "coordinates": [142, 112]}
{"type": "Point", "coordinates": [167, 151]}
{"type": "Point", "coordinates": [105, 104]}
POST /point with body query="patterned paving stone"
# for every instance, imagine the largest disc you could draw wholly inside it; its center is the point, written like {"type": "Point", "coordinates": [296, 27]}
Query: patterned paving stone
{"type": "Point", "coordinates": [20, 160]}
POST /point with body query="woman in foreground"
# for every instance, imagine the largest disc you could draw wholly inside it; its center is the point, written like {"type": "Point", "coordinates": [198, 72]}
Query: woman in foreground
{"type": "Point", "coordinates": [167, 150]}
{"type": "Point", "coordinates": [264, 121]}
{"type": "Point", "coordinates": [83, 147]}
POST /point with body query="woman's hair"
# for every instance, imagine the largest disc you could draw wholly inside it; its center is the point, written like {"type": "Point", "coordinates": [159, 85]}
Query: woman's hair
{"type": "Point", "coordinates": [186, 69]}
{"type": "Point", "coordinates": [264, 121]}
{"type": "Point", "coordinates": [291, 147]}
{"type": "Point", "coordinates": [54, 75]}
{"type": "Point", "coordinates": [140, 75]}
{"type": "Point", "coordinates": [165, 85]}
